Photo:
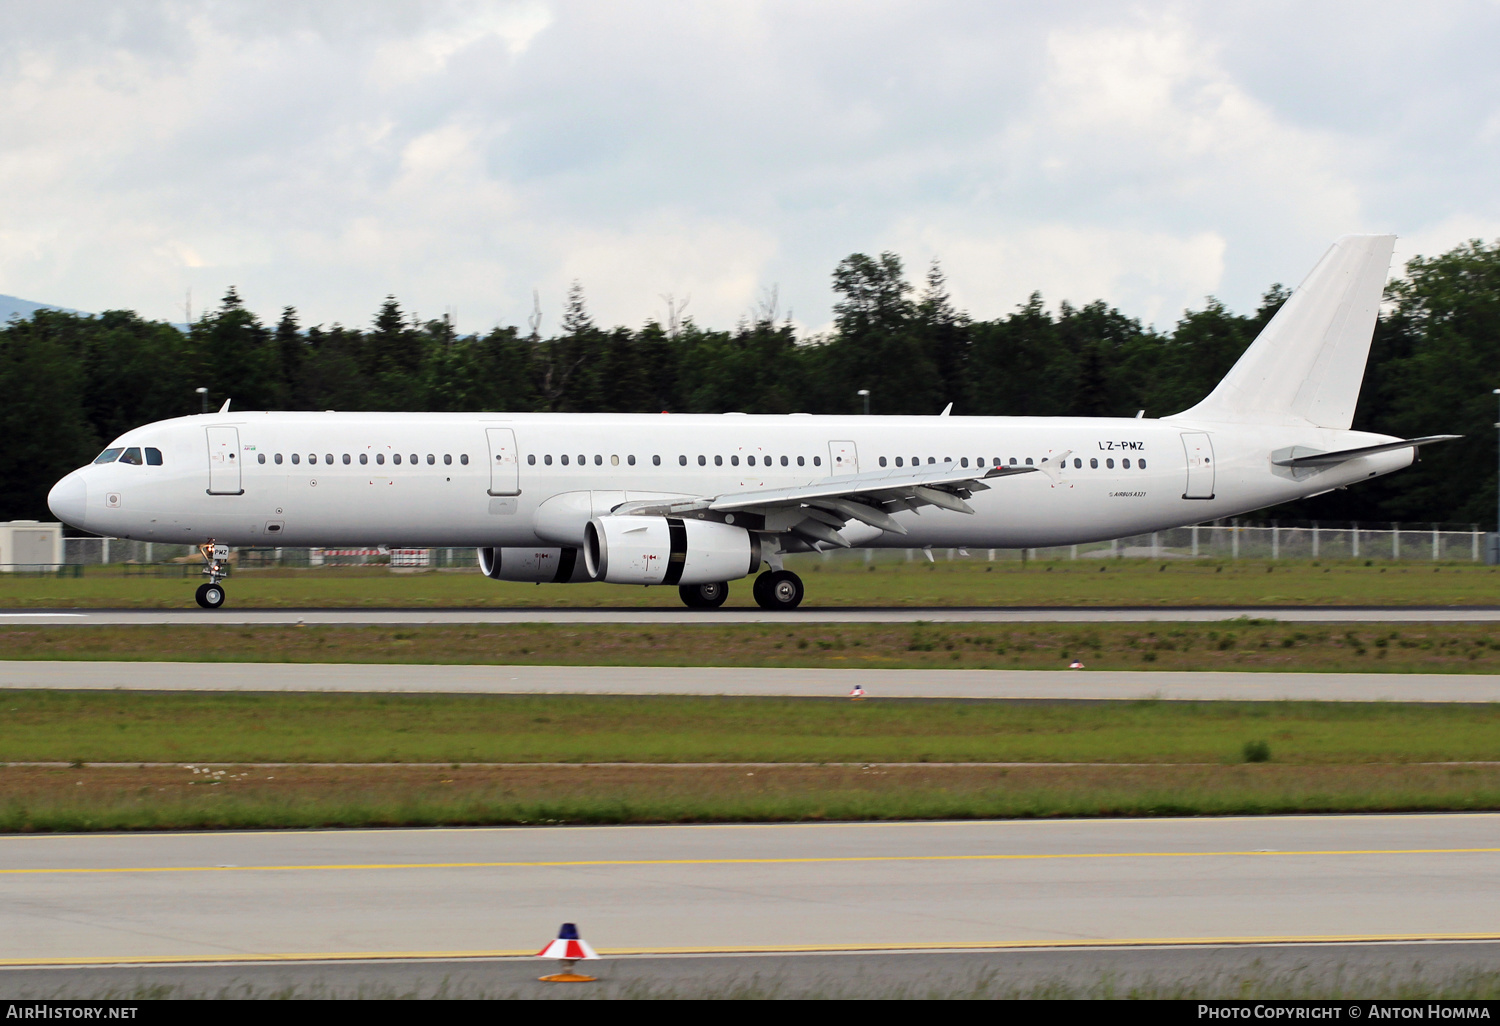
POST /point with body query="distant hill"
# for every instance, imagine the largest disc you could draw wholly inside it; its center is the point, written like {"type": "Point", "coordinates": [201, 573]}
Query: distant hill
{"type": "Point", "coordinates": [14, 306]}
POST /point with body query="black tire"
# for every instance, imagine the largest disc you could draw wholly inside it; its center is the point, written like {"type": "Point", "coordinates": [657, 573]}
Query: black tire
{"type": "Point", "coordinates": [778, 589]}
{"type": "Point", "coordinates": [210, 596]}
{"type": "Point", "coordinates": [759, 590]}
{"type": "Point", "coordinates": [704, 596]}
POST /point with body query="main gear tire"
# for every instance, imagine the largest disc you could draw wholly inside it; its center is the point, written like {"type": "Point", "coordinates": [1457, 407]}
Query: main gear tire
{"type": "Point", "coordinates": [778, 589]}
{"type": "Point", "coordinates": [704, 596]}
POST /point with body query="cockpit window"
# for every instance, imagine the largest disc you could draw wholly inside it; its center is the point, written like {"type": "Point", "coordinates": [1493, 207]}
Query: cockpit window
{"type": "Point", "coordinates": [108, 456]}
{"type": "Point", "coordinates": [133, 456]}
{"type": "Point", "coordinates": [153, 457]}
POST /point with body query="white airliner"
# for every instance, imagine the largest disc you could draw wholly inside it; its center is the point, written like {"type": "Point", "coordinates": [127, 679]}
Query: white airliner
{"type": "Point", "coordinates": [698, 501]}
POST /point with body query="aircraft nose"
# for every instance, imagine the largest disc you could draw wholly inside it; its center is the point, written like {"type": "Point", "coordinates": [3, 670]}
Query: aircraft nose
{"type": "Point", "coordinates": [68, 499]}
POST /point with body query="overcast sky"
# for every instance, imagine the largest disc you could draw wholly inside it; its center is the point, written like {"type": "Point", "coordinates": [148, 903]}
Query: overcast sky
{"type": "Point", "coordinates": [462, 155]}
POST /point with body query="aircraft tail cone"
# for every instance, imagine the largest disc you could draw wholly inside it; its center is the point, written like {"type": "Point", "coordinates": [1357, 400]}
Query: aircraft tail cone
{"type": "Point", "coordinates": [568, 949]}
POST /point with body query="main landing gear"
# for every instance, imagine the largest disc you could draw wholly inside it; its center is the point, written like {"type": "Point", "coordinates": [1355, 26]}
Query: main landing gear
{"type": "Point", "coordinates": [704, 596]}
{"type": "Point", "coordinates": [774, 589]}
{"type": "Point", "coordinates": [778, 589]}
{"type": "Point", "coordinates": [211, 595]}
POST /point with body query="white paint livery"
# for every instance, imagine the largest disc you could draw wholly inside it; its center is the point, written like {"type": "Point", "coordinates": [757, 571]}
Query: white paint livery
{"type": "Point", "coordinates": [698, 500]}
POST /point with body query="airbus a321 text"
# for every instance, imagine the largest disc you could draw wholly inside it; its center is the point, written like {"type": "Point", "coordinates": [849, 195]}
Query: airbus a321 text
{"type": "Point", "coordinates": [699, 501]}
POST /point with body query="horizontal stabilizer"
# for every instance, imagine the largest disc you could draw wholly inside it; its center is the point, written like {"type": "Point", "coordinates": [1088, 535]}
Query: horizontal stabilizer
{"type": "Point", "coordinates": [1297, 456]}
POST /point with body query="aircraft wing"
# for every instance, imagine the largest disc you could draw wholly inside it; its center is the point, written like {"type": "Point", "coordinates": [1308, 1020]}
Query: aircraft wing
{"type": "Point", "coordinates": [1297, 456]}
{"type": "Point", "coordinates": [871, 486]}
{"type": "Point", "coordinates": [816, 511]}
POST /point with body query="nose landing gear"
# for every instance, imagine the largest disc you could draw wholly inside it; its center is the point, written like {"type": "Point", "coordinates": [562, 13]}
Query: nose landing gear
{"type": "Point", "coordinates": [211, 594]}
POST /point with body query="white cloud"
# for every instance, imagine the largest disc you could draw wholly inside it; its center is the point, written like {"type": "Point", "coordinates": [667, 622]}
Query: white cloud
{"type": "Point", "coordinates": [399, 61]}
{"type": "Point", "coordinates": [461, 154]}
{"type": "Point", "coordinates": [719, 266]}
{"type": "Point", "coordinates": [1151, 275]}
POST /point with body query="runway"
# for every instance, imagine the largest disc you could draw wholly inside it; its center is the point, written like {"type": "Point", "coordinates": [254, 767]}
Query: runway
{"type": "Point", "coordinates": [1006, 886]}
{"type": "Point", "coordinates": [661, 616]}
{"type": "Point", "coordinates": [1100, 685]}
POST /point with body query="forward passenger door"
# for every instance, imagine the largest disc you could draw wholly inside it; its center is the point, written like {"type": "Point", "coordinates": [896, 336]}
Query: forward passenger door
{"type": "Point", "coordinates": [224, 461]}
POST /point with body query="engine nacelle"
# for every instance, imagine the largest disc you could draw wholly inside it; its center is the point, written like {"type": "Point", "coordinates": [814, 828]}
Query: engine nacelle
{"type": "Point", "coordinates": [537, 565]}
{"type": "Point", "coordinates": [668, 550]}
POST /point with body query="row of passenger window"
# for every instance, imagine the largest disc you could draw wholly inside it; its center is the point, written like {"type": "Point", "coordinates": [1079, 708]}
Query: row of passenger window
{"type": "Point", "coordinates": [135, 456]}
{"type": "Point", "coordinates": [734, 461]}
{"type": "Point", "coordinates": [963, 461]}
{"type": "Point", "coordinates": [1109, 464]}
{"type": "Point", "coordinates": [801, 461]}
{"type": "Point", "coordinates": [364, 458]}
{"type": "Point", "coordinates": [979, 461]}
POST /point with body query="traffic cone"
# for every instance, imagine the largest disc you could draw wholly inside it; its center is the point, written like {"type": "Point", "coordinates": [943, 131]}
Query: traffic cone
{"type": "Point", "coordinates": [858, 692]}
{"type": "Point", "coordinates": [567, 949]}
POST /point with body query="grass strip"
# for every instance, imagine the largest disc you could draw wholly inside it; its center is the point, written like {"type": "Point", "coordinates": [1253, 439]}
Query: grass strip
{"type": "Point", "coordinates": [1252, 978]}
{"type": "Point", "coordinates": [144, 727]}
{"type": "Point", "coordinates": [961, 582]}
{"type": "Point", "coordinates": [252, 797]}
{"type": "Point", "coordinates": [1242, 644]}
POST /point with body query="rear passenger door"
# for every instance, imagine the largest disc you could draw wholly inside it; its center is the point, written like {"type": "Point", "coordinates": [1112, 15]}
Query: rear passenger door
{"type": "Point", "coordinates": [1200, 466]}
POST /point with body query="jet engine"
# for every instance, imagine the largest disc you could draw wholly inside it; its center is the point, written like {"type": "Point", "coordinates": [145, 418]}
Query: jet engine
{"type": "Point", "coordinates": [668, 550]}
{"type": "Point", "coordinates": [539, 565]}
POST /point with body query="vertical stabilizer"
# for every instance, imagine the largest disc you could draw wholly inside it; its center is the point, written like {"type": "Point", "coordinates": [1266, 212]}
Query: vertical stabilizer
{"type": "Point", "coordinates": [1308, 363]}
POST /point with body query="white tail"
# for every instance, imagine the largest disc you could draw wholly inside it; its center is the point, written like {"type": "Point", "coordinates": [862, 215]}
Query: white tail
{"type": "Point", "coordinates": [1308, 363]}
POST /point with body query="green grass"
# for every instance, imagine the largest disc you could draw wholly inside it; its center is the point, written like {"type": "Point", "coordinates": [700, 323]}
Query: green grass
{"type": "Point", "coordinates": [962, 582]}
{"type": "Point", "coordinates": [1227, 645]}
{"type": "Point", "coordinates": [265, 797]}
{"type": "Point", "coordinates": [303, 728]}
{"type": "Point", "coordinates": [1256, 984]}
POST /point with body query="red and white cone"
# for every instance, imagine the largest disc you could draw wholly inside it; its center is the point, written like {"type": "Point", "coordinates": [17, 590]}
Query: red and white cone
{"type": "Point", "coordinates": [568, 949]}
{"type": "Point", "coordinates": [857, 692]}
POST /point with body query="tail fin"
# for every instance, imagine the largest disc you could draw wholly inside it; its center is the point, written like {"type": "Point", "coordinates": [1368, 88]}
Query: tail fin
{"type": "Point", "coordinates": [1308, 363]}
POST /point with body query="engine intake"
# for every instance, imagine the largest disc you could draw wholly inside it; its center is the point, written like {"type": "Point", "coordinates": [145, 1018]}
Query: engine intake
{"type": "Point", "coordinates": [668, 550]}
{"type": "Point", "coordinates": [538, 565]}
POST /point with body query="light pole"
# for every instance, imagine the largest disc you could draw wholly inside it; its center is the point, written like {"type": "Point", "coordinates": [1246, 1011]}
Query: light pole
{"type": "Point", "coordinates": [1496, 392]}
{"type": "Point", "coordinates": [864, 393]}
{"type": "Point", "coordinates": [203, 395]}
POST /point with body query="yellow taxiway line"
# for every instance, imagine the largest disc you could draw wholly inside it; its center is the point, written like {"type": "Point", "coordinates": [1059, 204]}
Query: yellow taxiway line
{"type": "Point", "coordinates": [812, 860]}
{"type": "Point", "coordinates": [754, 949]}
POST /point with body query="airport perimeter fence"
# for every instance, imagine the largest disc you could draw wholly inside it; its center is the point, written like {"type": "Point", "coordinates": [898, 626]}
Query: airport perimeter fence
{"type": "Point", "coordinates": [1220, 540]}
{"type": "Point", "coordinates": [1231, 540]}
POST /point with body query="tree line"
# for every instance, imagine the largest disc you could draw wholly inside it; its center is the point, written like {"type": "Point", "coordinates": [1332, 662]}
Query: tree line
{"type": "Point", "coordinates": [72, 382]}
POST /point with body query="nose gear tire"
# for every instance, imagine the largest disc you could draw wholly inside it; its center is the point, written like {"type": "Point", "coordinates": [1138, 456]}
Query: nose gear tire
{"type": "Point", "coordinates": [778, 589]}
{"type": "Point", "coordinates": [210, 596]}
{"type": "Point", "coordinates": [704, 596]}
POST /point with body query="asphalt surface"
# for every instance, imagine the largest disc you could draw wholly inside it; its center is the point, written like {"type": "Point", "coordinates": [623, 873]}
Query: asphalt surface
{"type": "Point", "coordinates": [801, 683]}
{"type": "Point", "coordinates": [1166, 971]}
{"type": "Point", "coordinates": [230, 615]}
{"type": "Point", "coordinates": [1007, 886]}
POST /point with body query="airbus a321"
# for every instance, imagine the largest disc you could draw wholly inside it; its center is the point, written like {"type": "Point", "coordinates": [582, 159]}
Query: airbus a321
{"type": "Point", "coordinates": [698, 501]}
